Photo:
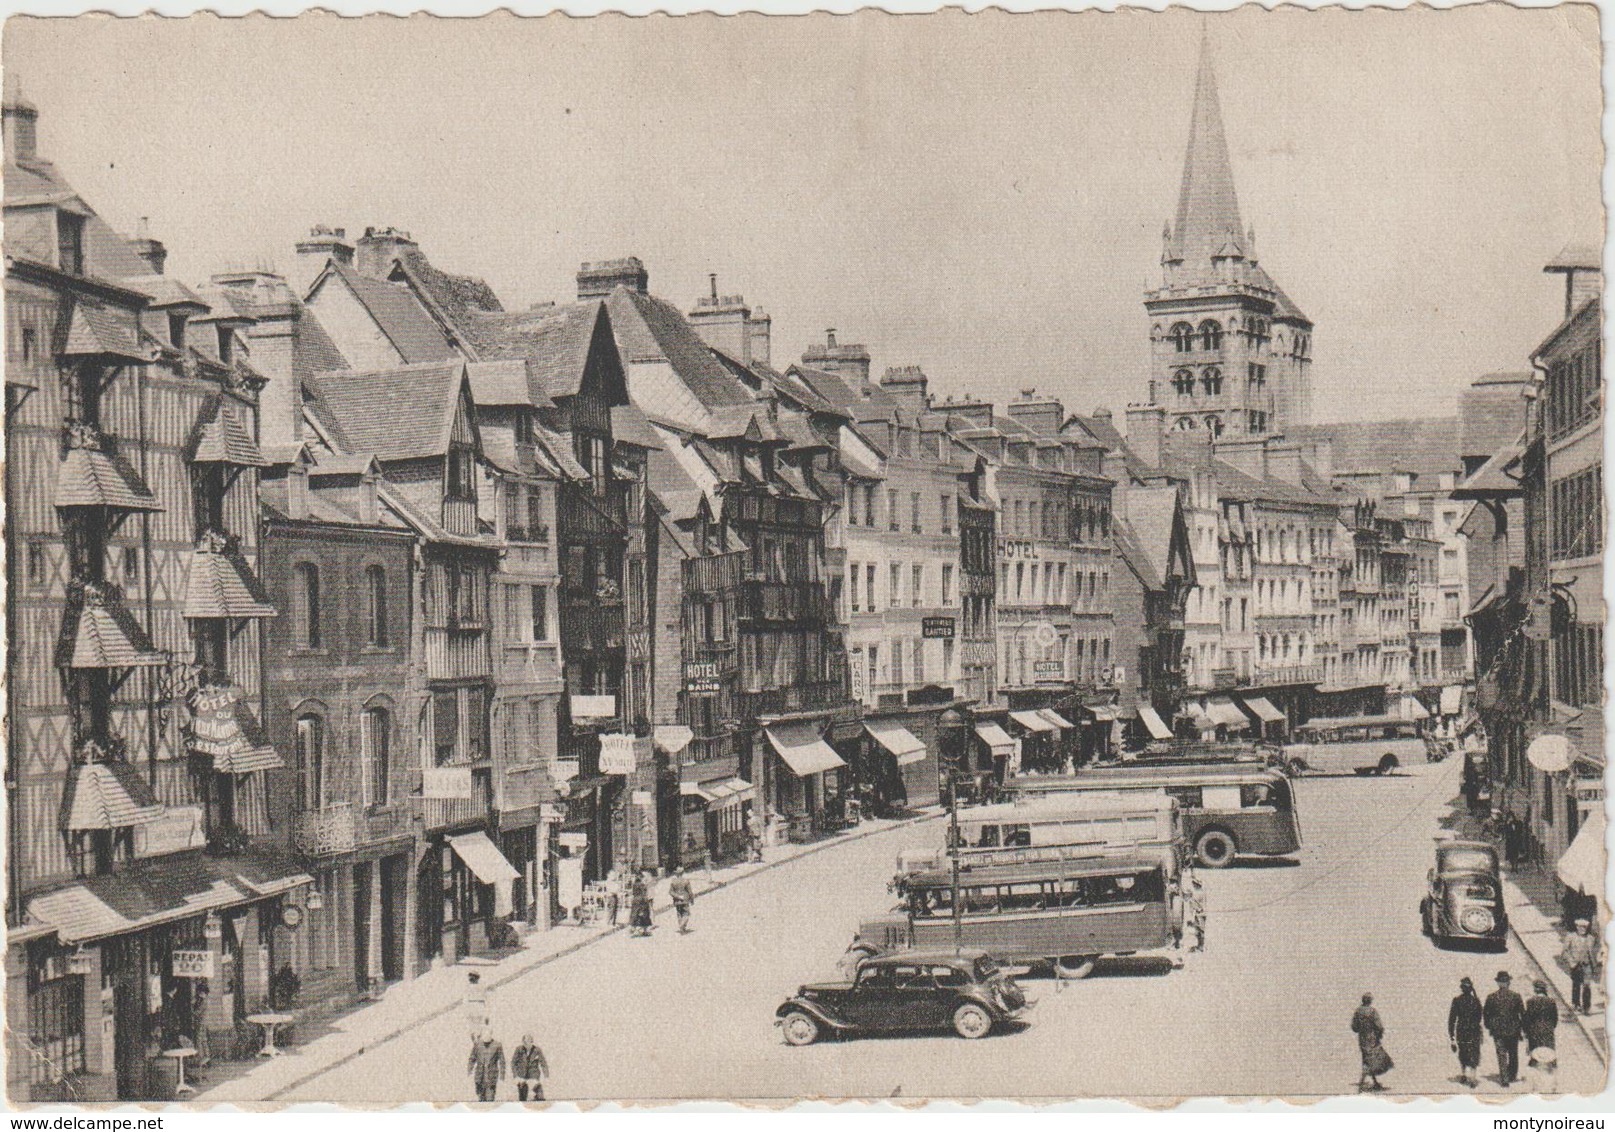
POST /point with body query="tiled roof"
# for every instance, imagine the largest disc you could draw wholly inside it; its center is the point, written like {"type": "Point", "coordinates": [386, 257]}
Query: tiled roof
{"type": "Point", "coordinates": [506, 381]}
{"type": "Point", "coordinates": [165, 291]}
{"type": "Point", "coordinates": [1498, 477]}
{"type": "Point", "coordinates": [649, 329]}
{"type": "Point", "coordinates": [458, 298]}
{"type": "Point", "coordinates": [396, 414]}
{"type": "Point", "coordinates": [222, 437]}
{"type": "Point", "coordinates": [99, 632]}
{"type": "Point", "coordinates": [1425, 446]}
{"type": "Point", "coordinates": [94, 474]}
{"type": "Point", "coordinates": [312, 349]}
{"type": "Point", "coordinates": [407, 324]}
{"type": "Point", "coordinates": [224, 729]}
{"type": "Point", "coordinates": [629, 426]}
{"type": "Point", "coordinates": [1127, 545]}
{"type": "Point", "coordinates": [99, 329]}
{"type": "Point", "coordinates": [1150, 512]}
{"type": "Point", "coordinates": [221, 584]}
{"type": "Point", "coordinates": [109, 795]}
{"type": "Point", "coordinates": [1283, 305]}
{"type": "Point", "coordinates": [1103, 431]}
{"type": "Point", "coordinates": [341, 464]}
{"type": "Point", "coordinates": [554, 341]}
{"type": "Point", "coordinates": [428, 527]}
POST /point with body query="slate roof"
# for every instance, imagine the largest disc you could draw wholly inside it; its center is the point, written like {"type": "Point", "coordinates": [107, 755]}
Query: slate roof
{"type": "Point", "coordinates": [109, 795]}
{"type": "Point", "coordinates": [221, 584]}
{"type": "Point", "coordinates": [165, 291]}
{"type": "Point", "coordinates": [506, 382]}
{"type": "Point", "coordinates": [629, 426]}
{"type": "Point", "coordinates": [554, 341]}
{"type": "Point", "coordinates": [222, 437]}
{"type": "Point", "coordinates": [1103, 431]}
{"type": "Point", "coordinates": [396, 414]}
{"type": "Point", "coordinates": [312, 349]}
{"type": "Point", "coordinates": [98, 329]}
{"type": "Point", "coordinates": [1497, 478]}
{"type": "Point", "coordinates": [1426, 446]}
{"type": "Point", "coordinates": [649, 329]}
{"type": "Point", "coordinates": [407, 324]}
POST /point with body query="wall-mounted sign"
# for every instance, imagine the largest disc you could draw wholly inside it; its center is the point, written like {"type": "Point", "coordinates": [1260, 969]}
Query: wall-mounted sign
{"type": "Point", "coordinates": [80, 962]}
{"type": "Point", "coordinates": [1049, 669]}
{"type": "Point", "coordinates": [1589, 790]}
{"type": "Point", "coordinates": [616, 754]}
{"type": "Point", "coordinates": [937, 628]}
{"type": "Point", "coordinates": [180, 828]}
{"type": "Point", "coordinates": [593, 707]}
{"type": "Point", "coordinates": [446, 782]}
{"type": "Point", "coordinates": [1017, 548]}
{"type": "Point", "coordinates": [573, 840]}
{"type": "Point", "coordinates": [291, 916]}
{"type": "Point", "coordinates": [1045, 634]}
{"type": "Point", "coordinates": [643, 798]}
{"type": "Point", "coordinates": [856, 666]}
{"type": "Point", "coordinates": [193, 964]}
{"type": "Point", "coordinates": [702, 678]}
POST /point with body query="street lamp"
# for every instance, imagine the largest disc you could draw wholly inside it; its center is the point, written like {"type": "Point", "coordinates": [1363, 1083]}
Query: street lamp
{"type": "Point", "coordinates": [952, 728]}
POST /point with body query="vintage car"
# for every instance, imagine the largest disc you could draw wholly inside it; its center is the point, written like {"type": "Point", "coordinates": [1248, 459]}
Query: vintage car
{"type": "Point", "coordinates": [1464, 897]}
{"type": "Point", "coordinates": [906, 990]}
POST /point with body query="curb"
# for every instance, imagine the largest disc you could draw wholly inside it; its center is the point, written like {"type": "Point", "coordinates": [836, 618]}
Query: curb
{"type": "Point", "coordinates": [1546, 967]}
{"type": "Point", "coordinates": [571, 949]}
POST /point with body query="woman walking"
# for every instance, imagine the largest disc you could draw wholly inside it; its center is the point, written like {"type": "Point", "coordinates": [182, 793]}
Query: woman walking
{"type": "Point", "coordinates": [1365, 1023]}
{"type": "Point", "coordinates": [640, 920]}
{"type": "Point", "coordinates": [1464, 1031]}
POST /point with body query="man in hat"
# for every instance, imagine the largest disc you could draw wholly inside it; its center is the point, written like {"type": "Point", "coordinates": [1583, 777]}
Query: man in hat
{"type": "Point", "coordinates": [1581, 956]}
{"type": "Point", "coordinates": [1504, 1014]}
{"type": "Point", "coordinates": [1541, 1019]}
{"type": "Point", "coordinates": [1464, 1031]}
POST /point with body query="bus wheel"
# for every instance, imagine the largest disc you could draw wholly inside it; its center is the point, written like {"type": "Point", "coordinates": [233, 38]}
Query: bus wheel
{"type": "Point", "coordinates": [971, 1021]}
{"type": "Point", "coordinates": [1215, 849]}
{"type": "Point", "coordinates": [801, 1028]}
{"type": "Point", "coordinates": [1074, 966]}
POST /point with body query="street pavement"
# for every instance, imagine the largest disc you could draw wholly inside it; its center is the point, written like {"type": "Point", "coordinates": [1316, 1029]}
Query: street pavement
{"type": "Point", "coordinates": [1263, 1012]}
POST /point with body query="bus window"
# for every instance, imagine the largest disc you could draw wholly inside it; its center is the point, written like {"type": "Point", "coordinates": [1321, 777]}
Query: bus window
{"type": "Point", "coordinates": [1220, 797]}
{"type": "Point", "coordinates": [925, 902]}
{"type": "Point", "coordinates": [988, 838]}
{"type": "Point", "coordinates": [1188, 796]}
{"type": "Point", "coordinates": [1018, 836]}
{"type": "Point", "coordinates": [1022, 897]}
{"type": "Point", "coordinates": [980, 899]}
{"type": "Point", "coordinates": [1255, 794]}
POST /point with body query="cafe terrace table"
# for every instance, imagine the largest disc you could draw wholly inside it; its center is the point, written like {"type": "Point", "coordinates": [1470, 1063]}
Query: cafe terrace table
{"type": "Point", "coordinates": [269, 1022]}
{"type": "Point", "coordinates": [179, 1054]}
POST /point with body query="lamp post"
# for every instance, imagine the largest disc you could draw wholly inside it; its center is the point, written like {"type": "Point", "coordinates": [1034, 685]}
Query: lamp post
{"type": "Point", "coordinates": [952, 727]}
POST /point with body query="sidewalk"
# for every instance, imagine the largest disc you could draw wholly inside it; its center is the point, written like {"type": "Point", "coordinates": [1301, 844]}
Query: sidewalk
{"type": "Point", "coordinates": [439, 991]}
{"type": "Point", "coordinates": [1533, 915]}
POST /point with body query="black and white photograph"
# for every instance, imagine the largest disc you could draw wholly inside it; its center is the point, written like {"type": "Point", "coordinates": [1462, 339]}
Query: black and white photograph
{"type": "Point", "coordinates": [1036, 557]}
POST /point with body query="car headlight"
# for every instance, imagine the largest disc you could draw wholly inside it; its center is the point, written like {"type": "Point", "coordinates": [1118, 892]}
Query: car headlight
{"type": "Point", "coordinates": [1477, 920]}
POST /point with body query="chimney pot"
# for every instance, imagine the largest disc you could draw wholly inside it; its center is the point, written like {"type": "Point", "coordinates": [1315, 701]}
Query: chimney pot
{"type": "Point", "coordinates": [712, 280]}
{"type": "Point", "coordinates": [830, 337]}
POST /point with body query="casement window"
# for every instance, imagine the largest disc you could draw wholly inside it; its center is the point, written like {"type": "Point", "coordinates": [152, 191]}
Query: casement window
{"type": "Point", "coordinates": [375, 745]}
{"type": "Point", "coordinates": [311, 761]}
{"type": "Point", "coordinates": [306, 605]}
{"type": "Point", "coordinates": [375, 612]}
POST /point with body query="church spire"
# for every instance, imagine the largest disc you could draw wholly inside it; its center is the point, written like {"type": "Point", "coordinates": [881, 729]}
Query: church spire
{"type": "Point", "coordinates": [1207, 224]}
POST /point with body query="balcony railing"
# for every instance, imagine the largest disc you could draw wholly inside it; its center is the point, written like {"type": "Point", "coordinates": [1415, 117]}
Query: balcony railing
{"type": "Point", "coordinates": [1291, 674]}
{"type": "Point", "coordinates": [783, 601]}
{"type": "Point", "coordinates": [797, 697]}
{"type": "Point", "coordinates": [440, 813]}
{"type": "Point", "coordinates": [714, 573]}
{"type": "Point", "coordinates": [326, 831]}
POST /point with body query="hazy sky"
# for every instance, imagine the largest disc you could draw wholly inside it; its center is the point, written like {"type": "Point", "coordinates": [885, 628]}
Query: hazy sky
{"type": "Point", "coordinates": [982, 195]}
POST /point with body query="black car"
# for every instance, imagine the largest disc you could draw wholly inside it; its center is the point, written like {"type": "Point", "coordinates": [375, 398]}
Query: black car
{"type": "Point", "coordinates": [906, 990]}
{"type": "Point", "coordinates": [1464, 897]}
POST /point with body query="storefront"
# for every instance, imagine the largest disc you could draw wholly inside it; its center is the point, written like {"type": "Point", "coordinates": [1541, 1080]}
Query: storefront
{"type": "Point", "coordinates": [1270, 721]}
{"type": "Point", "coordinates": [1226, 718]}
{"type": "Point", "coordinates": [808, 778]}
{"type": "Point", "coordinates": [997, 754]}
{"type": "Point", "coordinates": [1100, 735]}
{"type": "Point", "coordinates": [1151, 728]}
{"type": "Point", "coordinates": [473, 884]}
{"type": "Point", "coordinates": [903, 771]}
{"type": "Point", "coordinates": [1039, 742]}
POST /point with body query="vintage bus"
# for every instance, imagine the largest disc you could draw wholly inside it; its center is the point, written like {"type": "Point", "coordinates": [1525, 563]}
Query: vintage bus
{"type": "Point", "coordinates": [1063, 914]}
{"type": "Point", "coordinates": [1057, 826]}
{"type": "Point", "coordinates": [1227, 810]}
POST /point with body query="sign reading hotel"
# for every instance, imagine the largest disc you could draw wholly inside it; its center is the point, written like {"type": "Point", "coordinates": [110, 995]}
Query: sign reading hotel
{"type": "Point", "coordinates": [937, 628]}
{"type": "Point", "coordinates": [701, 678]}
{"type": "Point", "coordinates": [1049, 669]}
{"type": "Point", "coordinates": [616, 754]}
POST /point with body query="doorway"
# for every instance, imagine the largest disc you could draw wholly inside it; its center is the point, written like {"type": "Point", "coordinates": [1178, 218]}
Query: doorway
{"type": "Point", "coordinates": [362, 875]}
{"type": "Point", "coordinates": [394, 899]}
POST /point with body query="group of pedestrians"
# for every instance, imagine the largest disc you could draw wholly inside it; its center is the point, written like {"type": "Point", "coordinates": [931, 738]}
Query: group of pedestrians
{"type": "Point", "coordinates": [639, 890]}
{"type": "Point", "coordinates": [486, 1064]}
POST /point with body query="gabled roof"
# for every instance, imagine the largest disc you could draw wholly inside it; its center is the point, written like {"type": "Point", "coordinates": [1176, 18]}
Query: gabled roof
{"type": "Point", "coordinates": [411, 329]}
{"type": "Point", "coordinates": [1151, 515]}
{"type": "Point", "coordinates": [1424, 446]}
{"type": "Point", "coordinates": [1103, 432]}
{"type": "Point", "coordinates": [457, 298]}
{"type": "Point", "coordinates": [397, 414]}
{"type": "Point", "coordinates": [1498, 477]}
{"type": "Point", "coordinates": [1132, 552]}
{"type": "Point", "coordinates": [222, 437]}
{"type": "Point", "coordinates": [649, 329]}
{"type": "Point", "coordinates": [107, 795]}
{"type": "Point", "coordinates": [554, 341]}
{"type": "Point", "coordinates": [507, 382]}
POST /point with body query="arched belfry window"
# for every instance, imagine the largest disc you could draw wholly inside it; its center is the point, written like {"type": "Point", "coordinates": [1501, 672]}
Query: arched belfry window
{"type": "Point", "coordinates": [1187, 424]}
{"type": "Point", "coordinates": [1183, 337]}
{"type": "Point", "coordinates": [1211, 379]}
{"type": "Point", "coordinates": [1211, 335]}
{"type": "Point", "coordinates": [1214, 425]}
{"type": "Point", "coordinates": [1183, 382]}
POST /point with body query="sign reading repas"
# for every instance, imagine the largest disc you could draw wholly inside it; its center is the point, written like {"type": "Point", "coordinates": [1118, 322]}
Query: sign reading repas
{"type": "Point", "coordinates": [937, 628]}
{"type": "Point", "coordinates": [193, 964]}
{"type": "Point", "coordinates": [702, 678]}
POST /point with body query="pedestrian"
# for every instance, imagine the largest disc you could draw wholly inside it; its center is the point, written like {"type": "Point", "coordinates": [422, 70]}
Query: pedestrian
{"type": "Point", "coordinates": [1366, 1024]}
{"type": "Point", "coordinates": [640, 919]}
{"type": "Point", "coordinates": [477, 1005]}
{"type": "Point", "coordinates": [1581, 955]}
{"type": "Point", "coordinates": [1464, 1031]}
{"type": "Point", "coordinates": [1504, 1014]}
{"type": "Point", "coordinates": [1543, 1065]}
{"type": "Point", "coordinates": [528, 1068]}
{"type": "Point", "coordinates": [613, 896]}
{"type": "Point", "coordinates": [683, 897]}
{"type": "Point", "coordinates": [1197, 913]}
{"type": "Point", "coordinates": [486, 1065]}
{"type": "Point", "coordinates": [1541, 1018]}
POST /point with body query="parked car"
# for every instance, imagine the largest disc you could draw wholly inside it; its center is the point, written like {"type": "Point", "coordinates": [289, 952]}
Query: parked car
{"type": "Point", "coordinates": [1464, 900]}
{"type": "Point", "coordinates": [903, 991]}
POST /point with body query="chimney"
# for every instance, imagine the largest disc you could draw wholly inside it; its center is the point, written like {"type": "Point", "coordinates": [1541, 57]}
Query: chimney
{"type": "Point", "coordinates": [1581, 287]}
{"type": "Point", "coordinates": [599, 279]}
{"type": "Point", "coordinates": [21, 127]}
{"type": "Point", "coordinates": [1146, 425]}
{"type": "Point", "coordinates": [978, 413]}
{"type": "Point", "coordinates": [1043, 415]}
{"type": "Point", "coordinates": [907, 384]}
{"type": "Point", "coordinates": [322, 244]}
{"type": "Point", "coordinates": [378, 247]}
{"type": "Point", "coordinates": [724, 323]}
{"type": "Point", "coordinates": [151, 251]}
{"type": "Point", "coordinates": [297, 491]}
{"type": "Point", "coordinates": [760, 337]}
{"type": "Point", "coordinates": [369, 505]}
{"type": "Point", "coordinates": [850, 361]}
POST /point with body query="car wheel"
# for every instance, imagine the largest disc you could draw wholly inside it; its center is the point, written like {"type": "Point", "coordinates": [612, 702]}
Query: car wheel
{"type": "Point", "coordinates": [801, 1028]}
{"type": "Point", "coordinates": [1215, 849]}
{"type": "Point", "coordinates": [1074, 966]}
{"type": "Point", "coordinates": [1424, 917]}
{"type": "Point", "coordinates": [971, 1021]}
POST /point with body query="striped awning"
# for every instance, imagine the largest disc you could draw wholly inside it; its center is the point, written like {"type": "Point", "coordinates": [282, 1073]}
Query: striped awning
{"type": "Point", "coordinates": [224, 729]}
{"type": "Point", "coordinates": [802, 749]}
{"type": "Point", "coordinates": [996, 738]}
{"type": "Point", "coordinates": [94, 474]}
{"type": "Point", "coordinates": [1153, 723]}
{"type": "Point", "coordinates": [221, 584]}
{"type": "Point", "coordinates": [1225, 713]}
{"type": "Point", "coordinates": [1032, 721]}
{"type": "Point", "coordinates": [107, 795]}
{"type": "Point", "coordinates": [483, 858]}
{"type": "Point", "coordinates": [98, 632]}
{"type": "Point", "coordinates": [1264, 709]}
{"type": "Point", "coordinates": [222, 437]}
{"type": "Point", "coordinates": [897, 739]}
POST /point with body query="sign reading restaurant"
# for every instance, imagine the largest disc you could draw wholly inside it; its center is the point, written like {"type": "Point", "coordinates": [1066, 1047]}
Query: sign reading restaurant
{"type": "Point", "coordinates": [937, 628]}
{"type": "Point", "coordinates": [701, 678]}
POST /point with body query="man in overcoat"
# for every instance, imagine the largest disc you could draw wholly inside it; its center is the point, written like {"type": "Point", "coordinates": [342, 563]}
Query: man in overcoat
{"type": "Point", "coordinates": [1505, 1020]}
{"type": "Point", "coordinates": [1541, 1018]}
{"type": "Point", "coordinates": [1464, 1031]}
{"type": "Point", "coordinates": [486, 1065]}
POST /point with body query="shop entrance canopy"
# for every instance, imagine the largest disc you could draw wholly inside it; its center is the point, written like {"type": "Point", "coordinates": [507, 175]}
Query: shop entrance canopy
{"type": "Point", "coordinates": [800, 746]}
{"type": "Point", "coordinates": [483, 857]}
{"type": "Point", "coordinates": [897, 739]}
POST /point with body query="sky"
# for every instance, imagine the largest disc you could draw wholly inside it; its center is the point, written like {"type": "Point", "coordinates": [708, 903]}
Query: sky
{"type": "Point", "coordinates": [982, 195]}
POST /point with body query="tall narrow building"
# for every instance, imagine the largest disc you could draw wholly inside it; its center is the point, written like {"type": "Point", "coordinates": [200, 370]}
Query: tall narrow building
{"type": "Point", "coordinates": [1230, 352]}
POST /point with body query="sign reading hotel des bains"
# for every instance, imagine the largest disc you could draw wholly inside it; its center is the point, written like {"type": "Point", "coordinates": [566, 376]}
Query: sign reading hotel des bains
{"type": "Point", "coordinates": [701, 678]}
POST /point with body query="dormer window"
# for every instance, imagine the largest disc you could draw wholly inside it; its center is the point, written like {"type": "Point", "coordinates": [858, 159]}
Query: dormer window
{"type": "Point", "coordinates": [176, 329]}
{"type": "Point", "coordinates": [226, 343]}
{"type": "Point", "coordinates": [70, 242]}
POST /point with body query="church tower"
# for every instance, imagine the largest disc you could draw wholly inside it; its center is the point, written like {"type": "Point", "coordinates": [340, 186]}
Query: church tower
{"type": "Point", "coordinates": [1230, 353]}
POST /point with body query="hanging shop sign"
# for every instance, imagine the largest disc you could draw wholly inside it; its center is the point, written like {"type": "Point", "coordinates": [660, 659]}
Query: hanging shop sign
{"type": "Point", "coordinates": [937, 628]}
{"type": "Point", "coordinates": [573, 840]}
{"type": "Point", "coordinates": [291, 916]}
{"type": "Point", "coordinates": [643, 798]}
{"type": "Point", "coordinates": [446, 782]}
{"type": "Point", "coordinates": [193, 964]}
{"type": "Point", "coordinates": [616, 754]}
{"type": "Point", "coordinates": [702, 678]}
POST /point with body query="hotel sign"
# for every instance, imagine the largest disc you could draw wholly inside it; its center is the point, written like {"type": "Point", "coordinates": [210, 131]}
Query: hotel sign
{"type": "Point", "coordinates": [616, 754]}
{"type": "Point", "coordinates": [701, 678]}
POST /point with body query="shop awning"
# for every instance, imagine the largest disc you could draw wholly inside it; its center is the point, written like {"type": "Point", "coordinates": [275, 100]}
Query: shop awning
{"type": "Point", "coordinates": [730, 793]}
{"type": "Point", "coordinates": [107, 795]}
{"type": "Point", "coordinates": [483, 857]}
{"type": "Point", "coordinates": [1153, 723]}
{"type": "Point", "coordinates": [160, 890]}
{"type": "Point", "coordinates": [897, 739]}
{"type": "Point", "coordinates": [221, 584]}
{"type": "Point", "coordinates": [224, 729]}
{"type": "Point", "coordinates": [1056, 718]}
{"type": "Point", "coordinates": [1104, 713]}
{"type": "Point", "coordinates": [1582, 866]}
{"type": "Point", "coordinates": [996, 738]}
{"type": "Point", "coordinates": [1264, 709]}
{"type": "Point", "coordinates": [671, 739]}
{"type": "Point", "coordinates": [694, 790]}
{"type": "Point", "coordinates": [1198, 717]}
{"type": "Point", "coordinates": [1452, 699]}
{"type": "Point", "coordinates": [800, 746]}
{"type": "Point", "coordinates": [1225, 713]}
{"type": "Point", "coordinates": [1412, 709]}
{"type": "Point", "coordinates": [1032, 721]}
{"type": "Point", "coordinates": [1550, 753]}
